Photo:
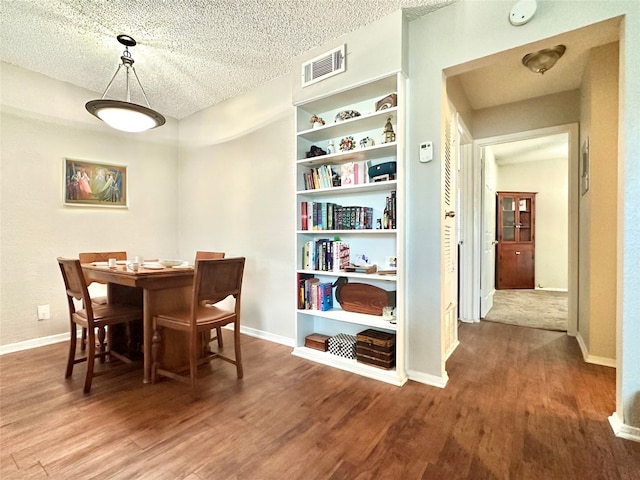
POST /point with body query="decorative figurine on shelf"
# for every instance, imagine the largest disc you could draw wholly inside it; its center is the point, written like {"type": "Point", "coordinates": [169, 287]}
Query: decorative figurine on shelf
{"type": "Point", "coordinates": [316, 121]}
{"type": "Point", "coordinates": [362, 297]}
{"type": "Point", "coordinates": [388, 135]}
{"type": "Point", "coordinates": [315, 152]}
{"type": "Point", "coordinates": [331, 148]}
{"type": "Point", "coordinates": [347, 143]}
{"type": "Point", "coordinates": [367, 142]}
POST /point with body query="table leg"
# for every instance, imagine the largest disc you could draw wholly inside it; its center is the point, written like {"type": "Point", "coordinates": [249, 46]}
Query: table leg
{"type": "Point", "coordinates": [147, 329]}
{"type": "Point", "coordinates": [174, 348]}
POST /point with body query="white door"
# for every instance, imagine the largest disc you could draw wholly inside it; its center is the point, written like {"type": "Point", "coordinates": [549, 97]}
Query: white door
{"type": "Point", "coordinates": [488, 266]}
{"type": "Point", "coordinates": [449, 241]}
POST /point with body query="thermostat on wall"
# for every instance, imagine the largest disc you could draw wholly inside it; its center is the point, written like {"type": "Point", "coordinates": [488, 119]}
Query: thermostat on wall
{"type": "Point", "coordinates": [426, 152]}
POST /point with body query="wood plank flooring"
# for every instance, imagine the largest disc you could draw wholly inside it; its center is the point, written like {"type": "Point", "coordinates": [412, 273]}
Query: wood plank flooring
{"type": "Point", "coordinates": [520, 404]}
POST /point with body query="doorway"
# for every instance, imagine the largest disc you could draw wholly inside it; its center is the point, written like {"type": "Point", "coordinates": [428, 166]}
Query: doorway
{"type": "Point", "coordinates": [544, 161]}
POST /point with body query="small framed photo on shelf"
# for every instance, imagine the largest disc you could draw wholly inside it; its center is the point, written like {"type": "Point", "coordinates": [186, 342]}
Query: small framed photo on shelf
{"type": "Point", "coordinates": [390, 263]}
{"type": "Point", "coordinates": [389, 101]}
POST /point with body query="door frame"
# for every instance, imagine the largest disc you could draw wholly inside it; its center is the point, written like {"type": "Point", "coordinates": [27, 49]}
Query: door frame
{"type": "Point", "coordinates": [465, 224]}
{"type": "Point", "coordinates": [573, 197]}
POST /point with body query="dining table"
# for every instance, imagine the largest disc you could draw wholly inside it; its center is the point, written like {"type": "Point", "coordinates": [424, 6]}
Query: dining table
{"type": "Point", "coordinates": [162, 289]}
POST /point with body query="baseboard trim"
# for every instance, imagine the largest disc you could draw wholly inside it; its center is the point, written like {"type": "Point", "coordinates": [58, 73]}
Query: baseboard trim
{"type": "Point", "coordinates": [252, 332]}
{"type": "Point", "coordinates": [33, 343]}
{"type": "Point", "coordinates": [63, 337]}
{"type": "Point", "coordinates": [623, 431]}
{"type": "Point", "coordinates": [428, 379]}
{"type": "Point", "coordinates": [604, 361]}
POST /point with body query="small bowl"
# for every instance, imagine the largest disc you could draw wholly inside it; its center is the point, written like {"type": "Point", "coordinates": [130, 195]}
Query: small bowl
{"type": "Point", "coordinates": [170, 263]}
{"type": "Point", "coordinates": [346, 115]}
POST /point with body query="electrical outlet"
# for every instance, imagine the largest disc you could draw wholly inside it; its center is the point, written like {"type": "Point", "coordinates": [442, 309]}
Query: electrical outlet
{"type": "Point", "coordinates": [43, 312]}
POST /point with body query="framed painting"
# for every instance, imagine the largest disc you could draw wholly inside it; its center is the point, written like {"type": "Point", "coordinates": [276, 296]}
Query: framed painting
{"type": "Point", "coordinates": [91, 184]}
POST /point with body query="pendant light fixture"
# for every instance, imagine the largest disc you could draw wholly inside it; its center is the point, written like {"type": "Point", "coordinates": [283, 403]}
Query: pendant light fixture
{"type": "Point", "coordinates": [543, 60]}
{"type": "Point", "coordinates": [124, 115]}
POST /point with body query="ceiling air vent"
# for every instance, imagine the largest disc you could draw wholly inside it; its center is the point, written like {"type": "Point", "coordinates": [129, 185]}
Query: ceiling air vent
{"type": "Point", "coordinates": [324, 66]}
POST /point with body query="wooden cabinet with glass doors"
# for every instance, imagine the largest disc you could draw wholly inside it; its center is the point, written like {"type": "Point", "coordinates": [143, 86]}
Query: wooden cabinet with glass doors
{"type": "Point", "coordinates": [515, 259]}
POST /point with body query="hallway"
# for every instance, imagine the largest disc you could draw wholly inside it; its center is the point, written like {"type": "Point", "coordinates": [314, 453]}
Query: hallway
{"type": "Point", "coordinates": [530, 308]}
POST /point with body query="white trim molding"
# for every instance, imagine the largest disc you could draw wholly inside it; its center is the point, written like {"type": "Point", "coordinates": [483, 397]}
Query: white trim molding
{"type": "Point", "coordinates": [63, 337]}
{"type": "Point", "coordinates": [623, 431]}
{"type": "Point", "coordinates": [252, 332]}
{"type": "Point", "coordinates": [34, 343]}
{"type": "Point", "coordinates": [428, 379]}
{"type": "Point", "coordinates": [604, 361]}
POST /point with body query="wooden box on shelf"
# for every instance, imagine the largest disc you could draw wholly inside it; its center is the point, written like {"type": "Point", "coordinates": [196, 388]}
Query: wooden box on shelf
{"type": "Point", "coordinates": [377, 348]}
{"type": "Point", "coordinates": [317, 341]}
{"type": "Point", "coordinates": [343, 345]}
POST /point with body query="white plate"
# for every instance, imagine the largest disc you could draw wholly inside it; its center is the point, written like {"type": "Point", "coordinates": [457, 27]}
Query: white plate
{"type": "Point", "coordinates": [170, 262]}
{"type": "Point", "coordinates": [100, 264]}
{"type": "Point", "coordinates": [121, 262]}
{"type": "Point", "coordinates": [183, 267]}
{"type": "Point", "coordinates": [152, 266]}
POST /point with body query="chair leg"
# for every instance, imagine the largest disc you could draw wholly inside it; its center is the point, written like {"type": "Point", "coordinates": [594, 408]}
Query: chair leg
{"type": "Point", "coordinates": [91, 357]}
{"type": "Point", "coordinates": [101, 338]}
{"type": "Point", "coordinates": [72, 351]}
{"type": "Point", "coordinates": [237, 351]}
{"type": "Point", "coordinates": [83, 342]}
{"type": "Point", "coordinates": [155, 353]}
{"type": "Point", "coordinates": [219, 336]}
{"type": "Point", "coordinates": [193, 362]}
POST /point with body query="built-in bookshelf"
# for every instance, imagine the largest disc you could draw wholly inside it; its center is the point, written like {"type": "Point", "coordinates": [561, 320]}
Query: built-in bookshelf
{"type": "Point", "coordinates": [350, 198]}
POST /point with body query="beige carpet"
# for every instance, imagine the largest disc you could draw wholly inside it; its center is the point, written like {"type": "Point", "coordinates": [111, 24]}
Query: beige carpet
{"type": "Point", "coordinates": [530, 308]}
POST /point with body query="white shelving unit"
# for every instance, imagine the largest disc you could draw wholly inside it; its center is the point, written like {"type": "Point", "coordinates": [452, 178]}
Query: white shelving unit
{"type": "Point", "coordinates": [377, 243]}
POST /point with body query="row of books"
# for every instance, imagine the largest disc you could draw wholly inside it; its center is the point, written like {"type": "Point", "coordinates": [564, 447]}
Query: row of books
{"type": "Point", "coordinates": [327, 176]}
{"type": "Point", "coordinates": [331, 216]}
{"type": "Point", "coordinates": [313, 294]}
{"type": "Point", "coordinates": [325, 255]}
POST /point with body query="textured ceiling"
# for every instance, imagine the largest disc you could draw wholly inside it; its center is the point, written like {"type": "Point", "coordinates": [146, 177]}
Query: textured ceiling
{"type": "Point", "coordinates": [191, 54]}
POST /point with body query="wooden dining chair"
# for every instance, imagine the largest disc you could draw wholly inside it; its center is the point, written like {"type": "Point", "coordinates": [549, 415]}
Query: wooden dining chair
{"type": "Point", "coordinates": [89, 257]}
{"type": "Point", "coordinates": [202, 255]}
{"type": "Point", "coordinates": [213, 279]}
{"type": "Point", "coordinates": [92, 317]}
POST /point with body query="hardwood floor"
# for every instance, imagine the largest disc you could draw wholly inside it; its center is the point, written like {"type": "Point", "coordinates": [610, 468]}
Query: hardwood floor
{"type": "Point", "coordinates": [520, 404]}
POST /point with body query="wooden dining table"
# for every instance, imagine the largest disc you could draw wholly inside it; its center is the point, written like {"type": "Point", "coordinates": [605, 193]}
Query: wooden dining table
{"type": "Point", "coordinates": [162, 289]}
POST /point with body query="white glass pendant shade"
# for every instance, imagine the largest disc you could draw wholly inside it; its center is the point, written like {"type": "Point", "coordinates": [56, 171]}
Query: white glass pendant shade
{"type": "Point", "coordinates": [125, 116]}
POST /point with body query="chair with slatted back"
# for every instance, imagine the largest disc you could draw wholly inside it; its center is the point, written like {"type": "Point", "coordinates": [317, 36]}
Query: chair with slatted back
{"type": "Point", "coordinates": [202, 255]}
{"type": "Point", "coordinates": [89, 257]}
{"type": "Point", "coordinates": [92, 317]}
{"type": "Point", "coordinates": [213, 279]}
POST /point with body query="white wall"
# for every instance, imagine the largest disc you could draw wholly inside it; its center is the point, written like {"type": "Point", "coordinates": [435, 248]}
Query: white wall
{"type": "Point", "coordinates": [547, 178]}
{"type": "Point", "coordinates": [466, 31]}
{"type": "Point", "coordinates": [42, 122]}
{"type": "Point", "coordinates": [236, 194]}
{"type": "Point", "coordinates": [373, 51]}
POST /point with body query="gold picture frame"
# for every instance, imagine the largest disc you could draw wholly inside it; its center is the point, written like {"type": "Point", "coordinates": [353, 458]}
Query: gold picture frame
{"type": "Point", "coordinates": [93, 184]}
